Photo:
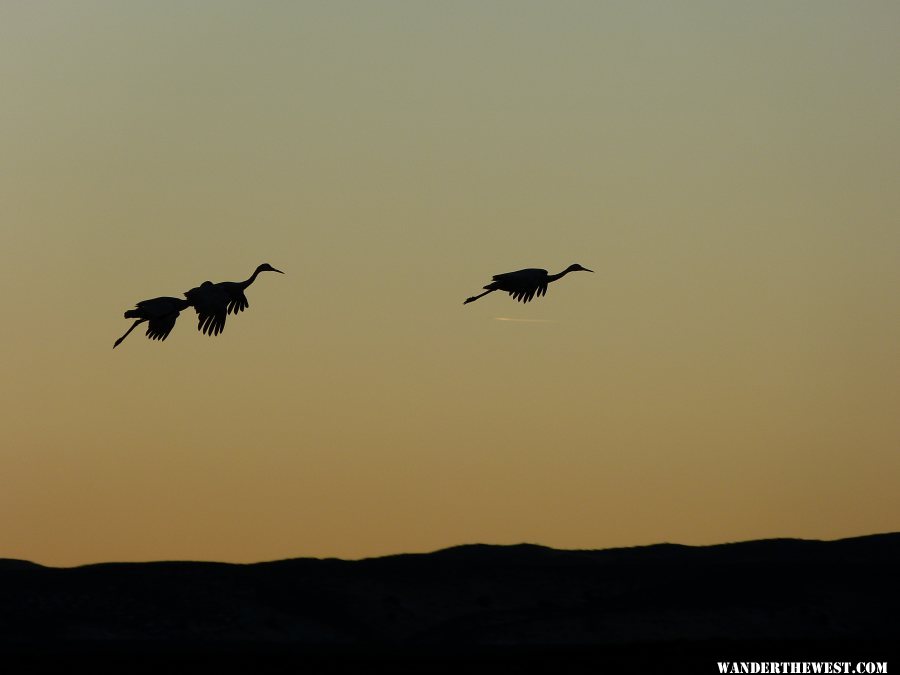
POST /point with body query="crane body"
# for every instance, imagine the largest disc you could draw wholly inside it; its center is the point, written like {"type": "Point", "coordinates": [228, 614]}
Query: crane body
{"type": "Point", "coordinates": [524, 285]}
{"type": "Point", "coordinates": [214, 302]}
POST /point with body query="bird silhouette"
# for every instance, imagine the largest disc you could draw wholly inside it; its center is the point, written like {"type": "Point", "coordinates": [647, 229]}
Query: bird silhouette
{"type": "Point", "coordinates": [160, 313]}
{"type": "Point", "coordinates": [523, 285]}
{"type": "Point", "coordinates": [213, 302]}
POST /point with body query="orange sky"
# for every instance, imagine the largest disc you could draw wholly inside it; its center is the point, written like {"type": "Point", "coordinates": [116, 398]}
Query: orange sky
{"type": "Point", "coordinates": [730, 371]}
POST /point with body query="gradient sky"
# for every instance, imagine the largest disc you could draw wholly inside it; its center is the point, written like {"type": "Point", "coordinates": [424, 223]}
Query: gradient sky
{"type": "Point", "coordinates": [731, 371]}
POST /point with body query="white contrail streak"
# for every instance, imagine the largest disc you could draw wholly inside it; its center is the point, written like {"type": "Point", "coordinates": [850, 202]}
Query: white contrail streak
{"type": "Point", "coordinates": [509, 318]}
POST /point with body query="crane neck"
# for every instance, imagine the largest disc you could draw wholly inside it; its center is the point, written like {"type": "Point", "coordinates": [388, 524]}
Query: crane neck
{"type": "Point", "coordinates": [249, 281]}
{"type": "Point", "coordinates": [554, 277]}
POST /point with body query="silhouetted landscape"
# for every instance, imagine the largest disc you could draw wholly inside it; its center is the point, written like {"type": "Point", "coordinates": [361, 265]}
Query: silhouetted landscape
{"type": "Point", "coordinates": [472, 604]}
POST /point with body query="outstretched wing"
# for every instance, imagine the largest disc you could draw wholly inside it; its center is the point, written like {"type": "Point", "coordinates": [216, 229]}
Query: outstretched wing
{"type": "Point", "coordinates": [160, 327]}
{"type": "Point", "coordinates": [525, 294]}
{"type": "Point", "coordinates": [211, 304]}
{"type": "Point", "coordinates": [238, 305]}
{"type": "Point", "coordinates": [523, 285]}
{"type": "Point", "coordinates": [237, 301]}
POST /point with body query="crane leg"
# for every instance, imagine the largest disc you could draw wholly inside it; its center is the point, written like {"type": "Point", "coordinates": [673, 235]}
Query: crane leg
{"type": "Point", "coordinates": [480, 295]}
{"type": "Point", "coordinates": [133, 326]}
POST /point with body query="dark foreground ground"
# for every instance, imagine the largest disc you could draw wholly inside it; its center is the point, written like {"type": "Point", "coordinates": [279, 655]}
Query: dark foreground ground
{"type": "Point", "coordinates": [498, 609]}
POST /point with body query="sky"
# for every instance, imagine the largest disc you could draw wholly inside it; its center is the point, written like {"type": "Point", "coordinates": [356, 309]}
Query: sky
{"type": "Point", "coordinates": [731, 370]}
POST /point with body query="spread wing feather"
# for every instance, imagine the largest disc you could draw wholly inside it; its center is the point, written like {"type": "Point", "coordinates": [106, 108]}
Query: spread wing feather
{"type": "Point", "coordinates": [523, 295]}
{"type": "Point", "coordinates": [237, 301]}
{"type": "Point", "coordinates": [159, 328]}
{"type": "Point", "coordinates": [211, 305]}
{"type": "Point", "coordinates": [239, 304]}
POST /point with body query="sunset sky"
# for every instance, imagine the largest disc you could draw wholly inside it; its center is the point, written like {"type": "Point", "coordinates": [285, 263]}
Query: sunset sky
{"type": "Point", "coordinates": [730, 170]}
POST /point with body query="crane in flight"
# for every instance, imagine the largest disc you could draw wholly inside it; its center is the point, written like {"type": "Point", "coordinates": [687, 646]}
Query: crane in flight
{"type": "Point", "coordinates": [160, 315]}
{"type": "Point", "coordinates": [523, 285]}
{"type": "Point", "coordinates": [214, 302]}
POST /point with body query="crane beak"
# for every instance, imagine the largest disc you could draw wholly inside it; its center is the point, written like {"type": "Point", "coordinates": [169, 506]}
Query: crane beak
{"type": "Point", "coordinates": [279, 271]}
{"type": "Point", "coordinates": [586, 269]}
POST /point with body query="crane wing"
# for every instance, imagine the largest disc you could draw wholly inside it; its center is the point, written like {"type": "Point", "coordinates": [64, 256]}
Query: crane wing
{"type": "Point", "coordinates": [522, 285]}
{"type": "Point", "coordinates": [211, 305]}
{"type": "Point", "coordinates": [160, 327]}
{"type": "Point", "coordinates": [237, 301]}
{"type": "Point", "coordinates": [238, 305]}
{"type": "Point", "coordinates": [524, 294]}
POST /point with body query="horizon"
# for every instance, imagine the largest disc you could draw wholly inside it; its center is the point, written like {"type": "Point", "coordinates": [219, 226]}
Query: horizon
{"type": "Point", "coordinates": [730, 371]}
{"type": "Point", "coordinates": [519, 545]}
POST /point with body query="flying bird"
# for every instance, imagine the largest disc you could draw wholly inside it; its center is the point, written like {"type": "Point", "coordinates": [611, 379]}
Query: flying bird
{"type": "Point", "coordinates": [160, 315]}
{"type": "Point", "coordinates": [523, 285]}
{"type": "Point", "coordinates": [213, 302]}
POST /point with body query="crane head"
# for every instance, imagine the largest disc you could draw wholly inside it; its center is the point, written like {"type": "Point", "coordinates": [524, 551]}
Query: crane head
{"type": "Point", "coordinates": [575, 267]}
{"type": "Point", "coordinates": [266, 267]}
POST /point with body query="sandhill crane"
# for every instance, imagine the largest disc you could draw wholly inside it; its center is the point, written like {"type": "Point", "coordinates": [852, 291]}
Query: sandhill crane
{"type": "Point", "coordinates": [524, 284]}
{"type": "Point", "coordinates": [213, 302]}
{"type": "Point", "coordinates": [160, 313]}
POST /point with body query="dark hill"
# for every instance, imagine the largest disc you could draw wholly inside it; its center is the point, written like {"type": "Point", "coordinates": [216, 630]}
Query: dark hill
{"type": "Point", "coordinates": [775, 596]}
